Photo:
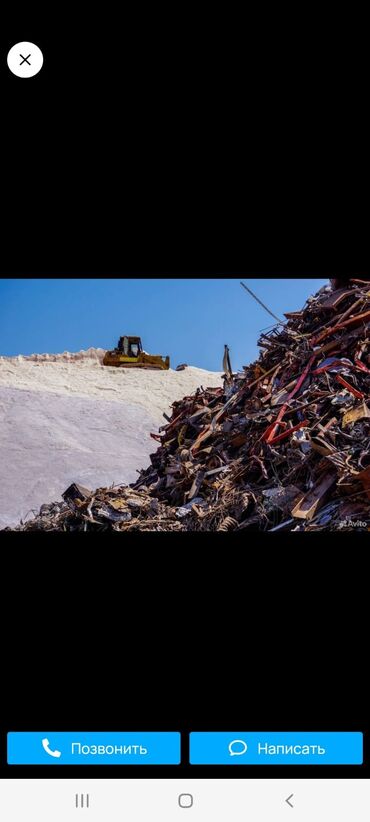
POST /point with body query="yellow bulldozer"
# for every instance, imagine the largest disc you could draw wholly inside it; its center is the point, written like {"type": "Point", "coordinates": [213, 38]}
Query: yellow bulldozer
{"type": "Point", "coordinates": [130, 354]}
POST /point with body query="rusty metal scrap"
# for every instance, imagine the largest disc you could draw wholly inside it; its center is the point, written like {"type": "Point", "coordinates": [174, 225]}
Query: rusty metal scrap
{"type": "Point", "coordinates": [284, 446]}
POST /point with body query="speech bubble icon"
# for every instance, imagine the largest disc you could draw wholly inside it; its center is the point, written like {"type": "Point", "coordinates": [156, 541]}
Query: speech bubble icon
{"type": "Point", "coordinates": [235, 744]}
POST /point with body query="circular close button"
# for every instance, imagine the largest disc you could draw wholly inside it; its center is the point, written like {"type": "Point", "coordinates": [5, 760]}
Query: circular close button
{"type": "Point", "coordinates": [25, 59]}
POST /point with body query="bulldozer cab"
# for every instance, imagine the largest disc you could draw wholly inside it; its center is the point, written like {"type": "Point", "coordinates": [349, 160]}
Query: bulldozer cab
{"type": "Point", "coordinates": [129, 354]}
{"type": "Point", "coordinates": [130, 346]}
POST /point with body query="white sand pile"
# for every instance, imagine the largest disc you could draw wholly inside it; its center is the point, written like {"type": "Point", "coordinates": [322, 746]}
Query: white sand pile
{"type": "Point", "coordinates": [90, 356]}
{"type": "Point", "coordinates": [66, 418]}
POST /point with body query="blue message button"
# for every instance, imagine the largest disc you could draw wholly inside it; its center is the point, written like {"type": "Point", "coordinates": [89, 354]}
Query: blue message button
{"type": "Point", "coordinates": [80, 748]}
{"type": "Point", "coordinates": [306, 748]}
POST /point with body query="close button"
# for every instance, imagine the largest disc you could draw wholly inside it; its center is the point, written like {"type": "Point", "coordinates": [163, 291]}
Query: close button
{"type": "Point", "coordinates": [25, 59]}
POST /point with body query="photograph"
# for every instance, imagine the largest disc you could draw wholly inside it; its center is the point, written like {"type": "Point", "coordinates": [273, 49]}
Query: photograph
{"type": "Point", "coordinates": [169, 404]}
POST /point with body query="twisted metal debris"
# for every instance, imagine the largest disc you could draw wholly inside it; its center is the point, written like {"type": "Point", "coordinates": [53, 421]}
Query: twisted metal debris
{"type": "Point", "coordinates": [285, 445]}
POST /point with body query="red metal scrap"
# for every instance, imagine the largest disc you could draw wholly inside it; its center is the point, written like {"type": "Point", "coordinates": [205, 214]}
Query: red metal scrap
{"type": "Point", "coordinates": [331, 365]}
{"type": "Point", "coordinates": [357, 364]}
{"type": "Point", "coordinates": [268, 431]}
{"type": "Point", "coordinates": [289, 431]}
{"type": "Point", "coordinates": [350, 388]}
{"type": "Point", "coordinates": [268, 436]}
{"type": "Point", "coordinates": [356, 320]}
{"type": "Point", "coordinates": [175, 420]}
{"type": "Point", "coordinates": [361, 366]}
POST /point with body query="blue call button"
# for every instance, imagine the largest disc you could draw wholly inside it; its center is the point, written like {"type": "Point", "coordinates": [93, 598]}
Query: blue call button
{"type": "Point", "coordinates": [80, 748]}
{"type": "Point", "coordinates": [243, 748]}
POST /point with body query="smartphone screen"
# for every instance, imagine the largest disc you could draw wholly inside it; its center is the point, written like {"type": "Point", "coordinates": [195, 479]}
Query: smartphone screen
{"type": "Point", "coordinates": [184, 453]}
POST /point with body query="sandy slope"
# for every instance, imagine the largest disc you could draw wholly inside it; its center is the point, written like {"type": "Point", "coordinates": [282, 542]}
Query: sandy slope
{"type": "Point", "coordinates": [66, 418]}
{"type": "Point", "coordinates": [83, 375]}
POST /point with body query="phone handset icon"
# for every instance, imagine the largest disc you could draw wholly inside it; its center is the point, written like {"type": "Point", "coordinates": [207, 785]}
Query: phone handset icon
{"type": "Point", "coordinates": [45, 745]}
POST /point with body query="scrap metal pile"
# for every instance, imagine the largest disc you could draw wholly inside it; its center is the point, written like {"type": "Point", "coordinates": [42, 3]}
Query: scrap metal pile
{"type": "Point", "coordinates": [285, 445]}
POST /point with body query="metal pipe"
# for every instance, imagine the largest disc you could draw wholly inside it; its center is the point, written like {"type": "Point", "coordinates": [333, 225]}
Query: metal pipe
{"type": "Point", "coordinates": [261, 303]}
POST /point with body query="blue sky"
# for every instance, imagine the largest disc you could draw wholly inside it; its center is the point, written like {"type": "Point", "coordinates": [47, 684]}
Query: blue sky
{"type": "Point", "coordinates": [188, 319]}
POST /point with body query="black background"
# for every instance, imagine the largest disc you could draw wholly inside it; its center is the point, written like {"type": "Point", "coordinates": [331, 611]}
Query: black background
{"type": "Point", "coordinates": [182, 151]}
